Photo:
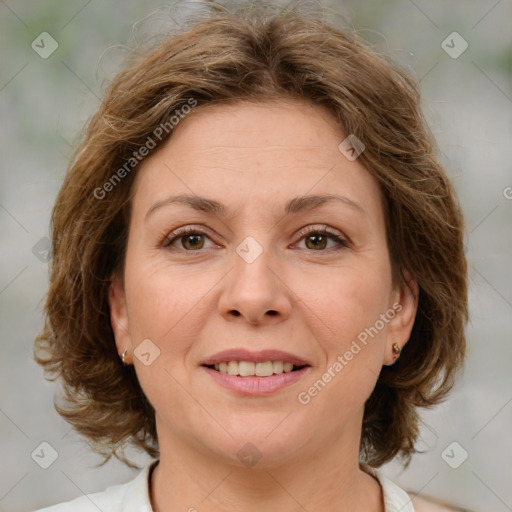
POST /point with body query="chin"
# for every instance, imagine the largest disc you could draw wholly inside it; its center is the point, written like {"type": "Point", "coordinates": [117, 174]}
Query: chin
{"type": "Point", "coordinates": [258, 448]}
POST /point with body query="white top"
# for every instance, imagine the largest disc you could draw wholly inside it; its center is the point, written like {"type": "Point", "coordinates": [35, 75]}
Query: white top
{"type": "Point", "coordinates": [133, 496]}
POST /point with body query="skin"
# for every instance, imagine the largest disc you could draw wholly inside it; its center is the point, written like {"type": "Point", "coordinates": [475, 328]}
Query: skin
{"type": "Point", "coordinates": [198, 297]}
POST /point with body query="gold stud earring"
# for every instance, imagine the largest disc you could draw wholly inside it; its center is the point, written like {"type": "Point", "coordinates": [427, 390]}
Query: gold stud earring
{"type": "Point", "coordinates": [396, 350]}
{"type": "Point", "coordinates": [123, 355]}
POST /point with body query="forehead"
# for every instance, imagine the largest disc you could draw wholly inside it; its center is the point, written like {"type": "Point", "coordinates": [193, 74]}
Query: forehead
{"type": "Point", "coordinates": [262, 151]}
{"type": "Point", "coordinates": [260, 126]}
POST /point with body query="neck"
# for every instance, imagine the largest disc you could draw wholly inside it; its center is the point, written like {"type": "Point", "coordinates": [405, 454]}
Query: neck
{"type": "Point", "coordinates": [321, 476]}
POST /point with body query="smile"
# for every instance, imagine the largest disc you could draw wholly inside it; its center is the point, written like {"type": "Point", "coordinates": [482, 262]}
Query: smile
{"type": "Point", "coordinates": [255, 373]}
{"type": "Point", "coordinates": [246, 382]}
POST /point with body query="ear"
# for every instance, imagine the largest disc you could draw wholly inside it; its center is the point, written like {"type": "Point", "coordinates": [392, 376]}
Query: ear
{"type": "Point", "coordinates": [119, 318]}
{"type": "Point", "coordinates": [405, 304]}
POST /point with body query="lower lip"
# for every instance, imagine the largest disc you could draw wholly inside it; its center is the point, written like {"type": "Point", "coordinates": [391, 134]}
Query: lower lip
{"type": "Point", "coordinates": [256, 386]}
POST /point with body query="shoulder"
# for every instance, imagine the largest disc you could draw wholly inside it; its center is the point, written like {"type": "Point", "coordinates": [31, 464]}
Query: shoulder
{"type": "Point", "coordinates": [89, 503]}
{"type": "Point", "coordinates": [424, 504]}
{"type": "Point", "coordinates": [396, 499]}
{"type": "Point", "coordinates": [127, 497]}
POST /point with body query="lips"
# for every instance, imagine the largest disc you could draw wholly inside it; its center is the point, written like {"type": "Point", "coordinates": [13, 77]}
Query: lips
{"type": "Point", "coordinates": [250, 375]}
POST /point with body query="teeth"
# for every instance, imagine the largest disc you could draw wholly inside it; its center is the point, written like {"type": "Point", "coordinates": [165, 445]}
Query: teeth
{"type": "Point", "coordinates": [233, 368]}
{"type": "Point", "coordinates": [264, 369]}
{"type": "Point", "coordinates": [246, 368]}
{"type": "Point", "coordinates": [278, 366]}
{"type": "Point", "coordinates": [249, 368]}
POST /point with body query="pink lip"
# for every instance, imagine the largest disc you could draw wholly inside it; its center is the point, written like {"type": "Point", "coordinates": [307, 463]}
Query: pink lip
{"type": "Point", "coordinates": [253, 386]}
{"type": "Point", "coordinates": [256, 357]}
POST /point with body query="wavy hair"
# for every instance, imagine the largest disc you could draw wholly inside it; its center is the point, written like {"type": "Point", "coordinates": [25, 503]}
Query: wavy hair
{"type": "Point", "coordinates": [255, 52]}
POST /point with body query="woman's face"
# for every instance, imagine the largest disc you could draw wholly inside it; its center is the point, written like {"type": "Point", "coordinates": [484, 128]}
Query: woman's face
{"type": "Point", "coordinates": [257, 273]}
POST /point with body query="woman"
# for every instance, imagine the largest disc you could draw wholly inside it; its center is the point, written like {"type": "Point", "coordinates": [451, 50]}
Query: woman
{"type": "Point", "coordinates": [258, 271]}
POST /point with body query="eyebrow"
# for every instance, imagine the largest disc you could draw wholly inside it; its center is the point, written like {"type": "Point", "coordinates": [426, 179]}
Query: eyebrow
{"type": "Point", "coordinates": [294, 206]}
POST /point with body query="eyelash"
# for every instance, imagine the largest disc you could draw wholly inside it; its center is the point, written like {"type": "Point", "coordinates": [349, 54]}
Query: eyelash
{"type": "Point", "coordinates": [182, 232]}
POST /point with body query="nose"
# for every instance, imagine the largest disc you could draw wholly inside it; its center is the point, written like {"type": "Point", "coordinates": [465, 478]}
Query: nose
{"type": "Point", "coordinates": [255, 291]}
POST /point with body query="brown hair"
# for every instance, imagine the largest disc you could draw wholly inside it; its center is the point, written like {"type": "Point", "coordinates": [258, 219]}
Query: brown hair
{"type": "Point", "coordinates": [256, 53]}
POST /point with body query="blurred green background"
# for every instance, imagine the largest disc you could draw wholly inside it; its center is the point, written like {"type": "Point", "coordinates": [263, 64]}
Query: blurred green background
{"type": "Point", "coordinates": [467, 98]}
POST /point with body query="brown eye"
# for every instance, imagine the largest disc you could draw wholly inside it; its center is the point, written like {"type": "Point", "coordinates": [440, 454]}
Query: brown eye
{"type": "Point", "coordinates": [192, 241]}
{"type": "Point", "coordinates": [189, 239]}
{"type": "Point", "coordinates": [318, 241]}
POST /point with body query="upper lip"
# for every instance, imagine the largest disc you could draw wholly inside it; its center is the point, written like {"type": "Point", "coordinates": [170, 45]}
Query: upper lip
{"type": "Point", "coordinates": [240, 354]}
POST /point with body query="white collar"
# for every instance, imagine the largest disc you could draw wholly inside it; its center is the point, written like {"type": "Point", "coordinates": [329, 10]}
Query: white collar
{"type": "Point", "coordinates": [395, 498]}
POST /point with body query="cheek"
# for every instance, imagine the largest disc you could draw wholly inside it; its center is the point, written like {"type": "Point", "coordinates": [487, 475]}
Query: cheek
{"type": "Point", "coordinates": [164, 307]}
{"type": "Point", "coordinates": [166, 304]}
{"type": "Point", "coordinates": [347, 303]}
{"type": "Point", "coordinates": [349, 310]}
